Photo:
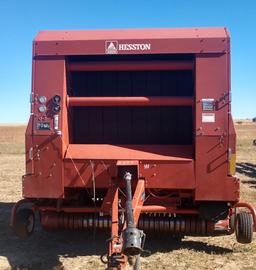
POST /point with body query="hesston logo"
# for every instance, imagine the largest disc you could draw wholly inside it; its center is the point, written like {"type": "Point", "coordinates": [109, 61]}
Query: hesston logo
{"type": "Point", "coordinates": [112, 47]}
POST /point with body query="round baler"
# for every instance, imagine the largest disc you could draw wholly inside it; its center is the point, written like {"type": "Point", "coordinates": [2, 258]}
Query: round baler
{"type": "Point", "coordinates": [131, 132]}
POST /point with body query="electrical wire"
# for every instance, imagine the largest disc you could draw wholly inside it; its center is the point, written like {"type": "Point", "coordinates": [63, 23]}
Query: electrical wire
{"type": "Point", "coordinates": [73, 162]}
{"type": "Point", "coordinates": [157, 195]}
{"type": "Point", "coordinates": [93, 181]}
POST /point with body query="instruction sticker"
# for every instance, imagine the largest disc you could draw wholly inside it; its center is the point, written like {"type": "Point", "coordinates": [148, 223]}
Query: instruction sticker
{"type": "Point", "coordinates": [208, 104]}
{"type": "Point", "coordinates": [208, 117]}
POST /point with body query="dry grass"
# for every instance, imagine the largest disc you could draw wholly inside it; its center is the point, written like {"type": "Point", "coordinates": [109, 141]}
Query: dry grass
{"type": "Point", "coordinates": [12, 139]}
{"type": "Point", "coordinates": [61, 250]}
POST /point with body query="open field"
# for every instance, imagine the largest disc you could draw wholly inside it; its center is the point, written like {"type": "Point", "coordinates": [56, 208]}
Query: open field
{"type": "Point", "coordinates": [62, 250]}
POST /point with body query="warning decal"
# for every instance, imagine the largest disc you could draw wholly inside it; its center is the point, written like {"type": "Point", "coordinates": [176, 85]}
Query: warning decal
{"type": "Point", "coordinates": [208, 117]}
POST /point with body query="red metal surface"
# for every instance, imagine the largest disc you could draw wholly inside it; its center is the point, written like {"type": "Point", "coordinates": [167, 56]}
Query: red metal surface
{"type": "Point", "coordinates": [92, 42]}
{"type": "Point", "coordinates": [158, 164]}
{"type": "Point", "coordinates": [48, 167]}
{"type": "Point", "coordinates": [130, 101]}
{"type": "Point", "coordinates": [207, 70]}
{"type": "Point", "coordinates": [115, 242]}
{"type": "Point", "coordinates": [108, 199]}
{"type": "Point", "coordinates": [48, 147]}
{"type": "Point", "coordinates": [147, 33]}
{"type": "Point", "coordinates": [174, 153]}
{"type": "Point", "coordinates": [212, 182]}
{"type": "Point", "coordinates": [166, 209]}
{"type": "Point", "coordinates": [138, 200]}
{"type": "Point", "coordinates": [131, 66]}
{"type": "Point", "coordinates": [70, 209]}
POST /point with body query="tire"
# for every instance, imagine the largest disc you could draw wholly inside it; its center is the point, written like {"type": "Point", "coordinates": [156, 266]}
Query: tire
{"type": "Point", "coordinates": [232, 223]}
{"type": "Point", "coordinates": [232, 220]}
{"type": "Point", "coordinates": [244, 228]}
{"type": "Point", "coordinates": [137, 263]}
{"type": "Point", "coordinates": [25, 222]}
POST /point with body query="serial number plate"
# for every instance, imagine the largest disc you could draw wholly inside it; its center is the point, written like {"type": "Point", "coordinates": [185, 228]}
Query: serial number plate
{"type": "Point", "coordinates": [43, 126]}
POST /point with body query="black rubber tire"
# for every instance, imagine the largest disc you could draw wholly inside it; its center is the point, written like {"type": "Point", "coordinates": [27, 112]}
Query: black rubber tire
{"type": "Point", "coordinates": [232, 220]}
{"type": "Point", "coordinates": [137, 263]}
{"type": "Point", "coordinates": [232, 223]}
{"type": "Point", "coordinates": [244, 228]}
{"type": "Point", "coordinates": [25, 223]}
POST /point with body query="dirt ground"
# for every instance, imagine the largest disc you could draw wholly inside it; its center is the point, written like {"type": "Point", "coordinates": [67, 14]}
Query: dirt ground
{"type": "Point", "coordinates": [62, 250]}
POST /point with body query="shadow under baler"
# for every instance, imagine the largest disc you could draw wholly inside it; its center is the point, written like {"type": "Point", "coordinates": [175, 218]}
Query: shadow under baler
{"type": "Point", "coordinates": [248, 170]}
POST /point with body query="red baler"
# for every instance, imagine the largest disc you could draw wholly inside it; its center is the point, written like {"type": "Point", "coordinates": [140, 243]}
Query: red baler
{"type": "Point", "coordinates": [131, 131]}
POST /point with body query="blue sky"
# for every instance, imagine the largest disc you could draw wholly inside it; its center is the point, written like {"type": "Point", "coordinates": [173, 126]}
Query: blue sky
{"type": "Point", "coordinates": [21, 20]}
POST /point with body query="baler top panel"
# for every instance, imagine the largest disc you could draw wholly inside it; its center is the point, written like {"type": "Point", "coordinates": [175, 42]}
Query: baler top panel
{"type": "Point", "coordinates": [140, 41]}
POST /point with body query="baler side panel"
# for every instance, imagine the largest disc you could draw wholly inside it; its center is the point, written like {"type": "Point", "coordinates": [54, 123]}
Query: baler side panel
{"type": "Point", "coordinates": [211, 82]}
{"type": "Point", "coordinates": [48, 148]}
{"type": "Point", "coordinates": [46, 182]}
{"type": "Point", "coordinates": [232, 147]}
{"type": "Point", "coordinates": [212, 182]}
{"type": "Point", "coordinates": [29, 130]}
{"type": "Point", "coordinates": [50, 80]}
{"type": "Point", "coordinates": [29, 147]}
{"type": "Point", "coordinates": [211, 141]}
